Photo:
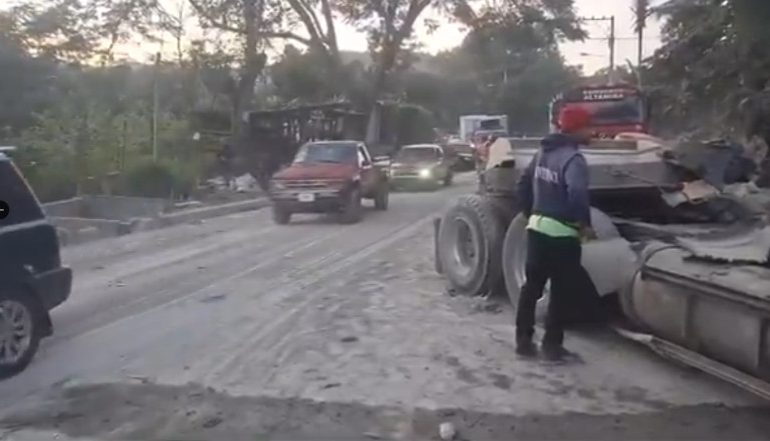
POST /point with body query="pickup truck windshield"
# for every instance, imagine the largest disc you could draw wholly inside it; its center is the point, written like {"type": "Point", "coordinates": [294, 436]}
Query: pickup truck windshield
{"type": "Point", "coordinates": [417, 154]}
{"type": "Point", "coordinates": [342, 153]}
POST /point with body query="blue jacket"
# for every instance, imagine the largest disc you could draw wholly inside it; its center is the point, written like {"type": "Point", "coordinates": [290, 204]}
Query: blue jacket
{"type": "Point", "coordinates": [555, 183]}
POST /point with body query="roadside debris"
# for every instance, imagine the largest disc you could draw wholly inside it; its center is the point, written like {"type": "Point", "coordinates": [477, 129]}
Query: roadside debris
{"type": "Point", "coordinates": [484, 304]}
{"type": "Point", "coordinates": [447, 431]}
{"type": "Point", "coordinates": [212, 422]}
{"type": "Point", "coordinates": [245, 182]}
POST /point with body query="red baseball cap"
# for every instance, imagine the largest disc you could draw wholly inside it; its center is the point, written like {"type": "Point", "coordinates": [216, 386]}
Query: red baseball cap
{"type": "Point", "coordinates": [573, 118]}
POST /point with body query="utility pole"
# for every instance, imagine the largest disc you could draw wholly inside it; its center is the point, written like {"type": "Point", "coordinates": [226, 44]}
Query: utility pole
{"type": "Point", "coordinates": [612, 44]}
{"type": "Point", "coordinates": [155, 109]}
{"type": "Point", "coordinates": [611, 38]}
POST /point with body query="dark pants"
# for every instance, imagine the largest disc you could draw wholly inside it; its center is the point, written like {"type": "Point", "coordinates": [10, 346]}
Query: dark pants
{"type": "Point", "coordinates": [548, 258]}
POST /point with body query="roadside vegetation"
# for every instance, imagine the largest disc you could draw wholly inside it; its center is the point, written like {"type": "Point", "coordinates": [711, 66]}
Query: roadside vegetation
{"type": "Point", "coordinates": [88, 119]}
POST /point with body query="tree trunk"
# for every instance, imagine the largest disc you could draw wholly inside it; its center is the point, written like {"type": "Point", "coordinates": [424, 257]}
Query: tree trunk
{"type": "Point", "coordinates": [253, 62]}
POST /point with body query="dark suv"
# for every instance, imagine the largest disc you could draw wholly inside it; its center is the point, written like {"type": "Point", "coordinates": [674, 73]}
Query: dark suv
{"type": "Point", "coordinates": [33, 281]}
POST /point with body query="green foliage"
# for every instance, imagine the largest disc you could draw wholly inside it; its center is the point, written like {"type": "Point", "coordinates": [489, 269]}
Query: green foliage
{"type": "Point", "coordinates": [714, 53]}
{"type": "Point", "coordinates": [162, 179]}
{"type": "Point", "coordinates": [414, 125]}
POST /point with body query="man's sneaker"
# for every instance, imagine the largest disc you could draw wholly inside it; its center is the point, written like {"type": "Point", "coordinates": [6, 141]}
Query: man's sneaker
{"type": "Point", "coordinates": [526, 349]}
{"type": "Point", "coordinates": [554, 353]}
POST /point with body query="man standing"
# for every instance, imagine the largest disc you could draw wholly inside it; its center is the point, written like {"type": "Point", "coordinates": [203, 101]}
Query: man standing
{"type": "Point", "coordinates": [554, 195]}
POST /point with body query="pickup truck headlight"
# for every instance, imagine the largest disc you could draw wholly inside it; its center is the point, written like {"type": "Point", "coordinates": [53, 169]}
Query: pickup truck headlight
{"type": "Point", "coordinates": [425, 173]}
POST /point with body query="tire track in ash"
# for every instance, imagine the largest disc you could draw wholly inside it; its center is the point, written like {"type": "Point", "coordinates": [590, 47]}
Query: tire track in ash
{"type": "Point", "coordinates": [260, 309]}
{"type": "Point", "coordinates": [308, 235]}
{"type": "Point", "coordinates": [157, 338]}
{"type": "Point", "coordinates": [84, 256]}
{"type": "Point", "coordinates": [272, 336]}
{"type": "Point", "coordinates": [169, 280]}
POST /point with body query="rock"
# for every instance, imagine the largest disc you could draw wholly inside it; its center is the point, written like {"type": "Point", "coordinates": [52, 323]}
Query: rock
{"type": "Point", "coordinates": [245, 183]}
{"type": "Point", "coordinates": [349, 339]}
{"type": "Point", "coordinates": [447, 431]}
{"type": "Point", "coordinates": [212, 422]}
{"type": "Point", "coordinates": [484, 305]}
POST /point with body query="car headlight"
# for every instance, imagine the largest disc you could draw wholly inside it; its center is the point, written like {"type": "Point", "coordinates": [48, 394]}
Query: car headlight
{"type": "Point", "coordinates": [425, 173]}
{"type": "Point", "coordinates": [278, 185]}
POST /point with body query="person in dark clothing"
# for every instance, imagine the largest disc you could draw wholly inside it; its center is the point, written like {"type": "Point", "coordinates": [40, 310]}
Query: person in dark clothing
{"type": "Point", "coordinates": [225, 159]}
{"type": "Point", "coordinates": [553, 191]}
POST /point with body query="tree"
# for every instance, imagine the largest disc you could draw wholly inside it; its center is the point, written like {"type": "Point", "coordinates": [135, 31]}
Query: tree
{"type": "Point", "coordinates": [300, 76]}
{"type": "Point", "coordinates": [78, 30]}
{"type": "Point", "coordinates": [322, 33]}
{"type": "Point", "coordinates": [710, 48]}
{"type": "Point", "coordinates": [642, 12]}
{"type": "Point", "coordinates": [250, 22]}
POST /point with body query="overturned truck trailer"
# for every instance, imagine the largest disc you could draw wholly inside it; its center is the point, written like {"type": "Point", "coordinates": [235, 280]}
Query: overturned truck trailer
{"type": "Point", "coordinates": [680, 264]}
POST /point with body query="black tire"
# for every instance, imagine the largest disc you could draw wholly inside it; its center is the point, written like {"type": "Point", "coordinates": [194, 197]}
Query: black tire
{"type": "Point", "coordinates": [470, 245]}
{"type": "Point", "coordinates": [281, 216]}
{"type": "Point", "coordinates": [515, 254]}
{"type": "Point", "coordinates": [381, 200]}
{"type": "Point", "coordinates": [27, 305]}
{"type": "Point", "coordinates": [448, 179]}
{"type": "Point", "coordinates": [352, 211]}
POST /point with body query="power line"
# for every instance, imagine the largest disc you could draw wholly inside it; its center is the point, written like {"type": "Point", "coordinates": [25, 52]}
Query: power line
{"type": "Point", "coordinates": [623, 38]}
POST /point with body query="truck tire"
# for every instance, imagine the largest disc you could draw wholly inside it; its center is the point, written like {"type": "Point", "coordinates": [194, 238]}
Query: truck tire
{"type": "Point", "coordinates": [514, 254]}
{"type": "Point", "coordinates": [469, 246]}
{"type": "Point", "coordinates": [352, 211]}
{"type": "Point", "coordinates": [448, 179]}
{"type": "Point", "coordinates": [25, 320]}
{"type": "Point", "coordinates": [381, 199]}
{"type": "Point", "coordinates": [281, 216]}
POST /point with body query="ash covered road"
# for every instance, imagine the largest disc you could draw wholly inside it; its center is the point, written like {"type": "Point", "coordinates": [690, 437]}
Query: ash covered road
{"type": "Point", "coordinates": [236, 328]}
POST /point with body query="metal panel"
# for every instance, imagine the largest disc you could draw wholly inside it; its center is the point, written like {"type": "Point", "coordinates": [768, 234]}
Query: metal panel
{"type": "Point", "coordinates": [751, 245]}
{"type": "Point", "coordinates": [719, 311]}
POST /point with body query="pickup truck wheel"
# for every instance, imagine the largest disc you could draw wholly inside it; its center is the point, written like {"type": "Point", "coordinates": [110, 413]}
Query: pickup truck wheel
{"type": "Point", "coordinates": [382, 198]}
{"type": "Point", "coordinates": [22, 321]}
{"type": "Point", "coordinates": [281, 216]}
{"type": "Point", "coordinates": [448, 179]}
{"type": "Point", "coordinates": [469, 246]}
{"type": "Point", "coordinates": [352, 211]}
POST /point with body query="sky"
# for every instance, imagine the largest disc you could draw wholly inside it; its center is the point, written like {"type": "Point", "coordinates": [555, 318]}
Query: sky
{"type": "Point", "coordinates": [592, 54]}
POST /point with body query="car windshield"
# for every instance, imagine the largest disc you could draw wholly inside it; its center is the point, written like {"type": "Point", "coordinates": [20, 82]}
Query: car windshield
{"type": "Point", "coordinates": [337, 153]}
{"type": "Point", "coordinates": [411, 154]}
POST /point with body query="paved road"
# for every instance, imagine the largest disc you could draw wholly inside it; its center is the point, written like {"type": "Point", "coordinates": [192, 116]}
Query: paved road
{"type": "Point", "coordinates": [236, 328]}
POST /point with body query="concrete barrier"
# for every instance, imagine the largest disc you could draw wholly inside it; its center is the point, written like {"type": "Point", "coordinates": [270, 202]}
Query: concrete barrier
{"type": "Point", "coordinates": [77, 229]}
{"type": "Point", "coordinates": [168, 219]}
{"type": "Point", "coordinates": [107, 207]}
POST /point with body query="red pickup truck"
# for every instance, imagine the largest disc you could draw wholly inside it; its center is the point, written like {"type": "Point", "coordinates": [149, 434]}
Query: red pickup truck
{"type": "Point", "coordinates": [329, 176]}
